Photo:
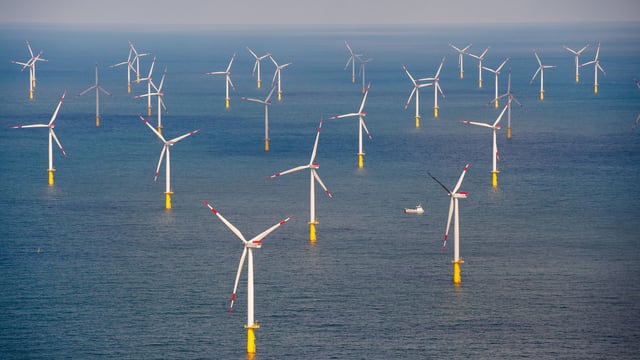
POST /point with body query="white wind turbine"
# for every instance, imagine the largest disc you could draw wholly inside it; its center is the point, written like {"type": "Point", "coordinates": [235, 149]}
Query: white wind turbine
{"type": "Point", "coordinates": [148, 79]}
{"type": "Point", "coordinates": [352, 61]}
{"type": "Point", "coordinates": [596, 62]}
{"type": "Point", "coordinates": [160, 95]}
{"type": "Point", "coordinates": [136, 60]}
{"type": "Point", "coordinates": [313, 174]}
{"type": "Point", "coordinates": [577, 54]}
{"type": "Point", "coordinates": [453, 211]}
{"type": "Point", "coordinates": [227, 74]}
{"type": "Point", "coordinates": [416, 91]}
{"type": "Point", "coordinates": [277, 74]}
{"type": "Point", "coordinates": [52, 137]}
{"type": "Point", "coordinates": [362, 64]}
{"type": "Point", "coordinates": [461, 53]}
{"type": "Point", "coordinates": [496, 71]}
{"type": "Point", "coordinates": [361, 125]}
{"type": "Point", "coordinates": [130, 68]}
{"type": "Point", "coordinates": [494, 127]}
{"type": "Point", "coordinates": [510, 97]}
{"type": "Point", "coordinates": [97, 87]}
{"type": "Point", "coordinates": [480, 58]}
{"type": "Point", "coordinates": [31, 64]}
{"type": "Point", "coordinates": [266, 102]}
{"type": "Point", "coordinates": [436, 88]}
{"type": "Point", "coordinates": [541, 72]}
{"type": "Point", "coordinates": [249, 245]}
{"type": "Point", "coordinates": [256, 65]}
{"type": "Point", "coordinates": [166, 150]}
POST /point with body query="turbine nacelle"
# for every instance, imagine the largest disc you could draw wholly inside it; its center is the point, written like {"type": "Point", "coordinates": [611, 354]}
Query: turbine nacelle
{"type": "Point", "coordinates": [256, 244]}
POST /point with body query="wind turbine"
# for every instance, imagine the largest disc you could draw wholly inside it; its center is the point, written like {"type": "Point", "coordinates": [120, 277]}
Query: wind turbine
{"type": "Point", "coordinates": [480, 58]}
{"type": "Point", "coordinates": [461, 53]}
{"type": "Point", "coordinates": [256, 65]}
{"type": "Point", "coordinates": [495, 126]}
{"type": "Point", "coordinates": [313, 177]}
{"type": "Point", "coordinates": [497, 73]}
{"type": "Point", "coordinates": [362, 63]}
{"type": "Point", "coordinates": [436, 88]}
{"type": "Point", "coordinates": [277, 74]}
{"type": "Point", "coordinates": [510, 98]}
{"type": "Point", "coordinates": [166, 150]}
{"type": "Point", "coordinates": [352, 61]}
{"type": "Point", "coordinates": [453, 211]}
{"type": "Point", "coordinates": [266, 102]}
{"type": "Point", "coordinates": [577, 54]}
{"type": "Point", "coordinates": [52, 136]}
{"type": "Point", "coordinates": [416, 91]}
{"type": "Point", "coordinates": [149, 82]}
{"type": "Point", "coordinates": [31, 64]}
{"type": "Point", "coordinates": [227, 74]}
{"type": "Point", "coordinates": [160, 95]}
{"type": "Point", "coordinates": [98, 88]}
{"type": "Point", "coordinates": [254, 243]}
{"type": "Point", "coordinates": [130, 68]}
{"type": "Point", "coordinates": [541, 72]}
{"type": "Point", "coordinates": [360, 114]}
{"type": "Point", "coordinates": [136, 60]}
{"type": "Point", "coordinates": [597, 67]}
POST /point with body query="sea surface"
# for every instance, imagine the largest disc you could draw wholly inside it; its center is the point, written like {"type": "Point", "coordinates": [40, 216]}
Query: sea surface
{"type": "Point", "coordinates": [95, 267]}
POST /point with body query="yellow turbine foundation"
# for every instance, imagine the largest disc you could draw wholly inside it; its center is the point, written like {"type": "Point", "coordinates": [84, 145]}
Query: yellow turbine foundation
{"type": "Point", "coordinates": [456, 272]}
{"type": "Point", "coordinates": [160, 129]}
{"type": "Point", "coordinates": [266, 144]}
{"type": "Point", "coordinates": [258, 84]}
{"type": "Point", "coordinates": [435, 112]}
{"type": "Point", "coordinates": [97, 121]}
{"type": "Point", "coordinates": [461, 74]}
{"type": "Point", "coordinates": [353, 79]}
{"type": "Point", "coordinates": [312, 231]}
{"type": "Point", "coordinates": [251, 338]}
{"type": "Point", "coordinates": [497, 103]}
{"type": "Point", "coordinates": [167, 200]}
{"type": "Point", "coordinates": [595, 88]}
{"type": "Point", "coordinates": [30, 94]}
{"type": "Point", "coordinates": [51, 171]}
{"type": "Point", "coordinates": [279, 95]}
{"type": "Point", "coordinates": [129, 88]}
{"type": "Point", "coordinates": [509, 133]}
{"type": "Point", "coordinates": [494, 178]}
{"type": "Point", "coordinates": [541, 94]}
{"type": "Point", "coordinates": [149, 111]}
{"type": "Point", "coordinates": [417, 122]}
{"type": "Point", "coordinates": [360, 161]}
{"type": "Point", "coordinates": [480, 84]}
{"type": "Point", "coordinates": [226, 103]}
{"type": "Point", "coordinates": [577, 78]}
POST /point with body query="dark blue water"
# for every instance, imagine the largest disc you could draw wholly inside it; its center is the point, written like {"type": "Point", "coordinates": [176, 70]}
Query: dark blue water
{"type": "Point", "coordinates": [95, 267]}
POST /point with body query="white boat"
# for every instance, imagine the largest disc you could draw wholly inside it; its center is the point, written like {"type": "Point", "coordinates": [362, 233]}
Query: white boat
{"type": "Point", "coordinates": [417, 210]}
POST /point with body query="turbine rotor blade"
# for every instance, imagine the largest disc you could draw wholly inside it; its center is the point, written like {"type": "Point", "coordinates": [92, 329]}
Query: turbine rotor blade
{"type": "Point", "coordinates": [258, 238]}
{"type": "Point", "coordinates": [238, 273]}
{"type": "Point", "coordinates": [446, 232]}
{"type": "Point", "coordinates": [317, 177]}
{"type": "Point", "coordinates": [155, 177]}
{"type": "Point", "coordinates": [225, 221]}
{"type": "Point", "coordinates": [464, 172]}
{"type": "Point", "coordinates": [441, 184]}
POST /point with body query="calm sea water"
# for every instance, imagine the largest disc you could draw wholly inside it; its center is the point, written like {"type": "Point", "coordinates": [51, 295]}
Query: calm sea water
{"type": "Point", "coordinates": [94, 267]}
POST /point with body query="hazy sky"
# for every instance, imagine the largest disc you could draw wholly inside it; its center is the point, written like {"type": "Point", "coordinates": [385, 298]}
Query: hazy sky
{"type": "Point", "coordinates": [172, 12]}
